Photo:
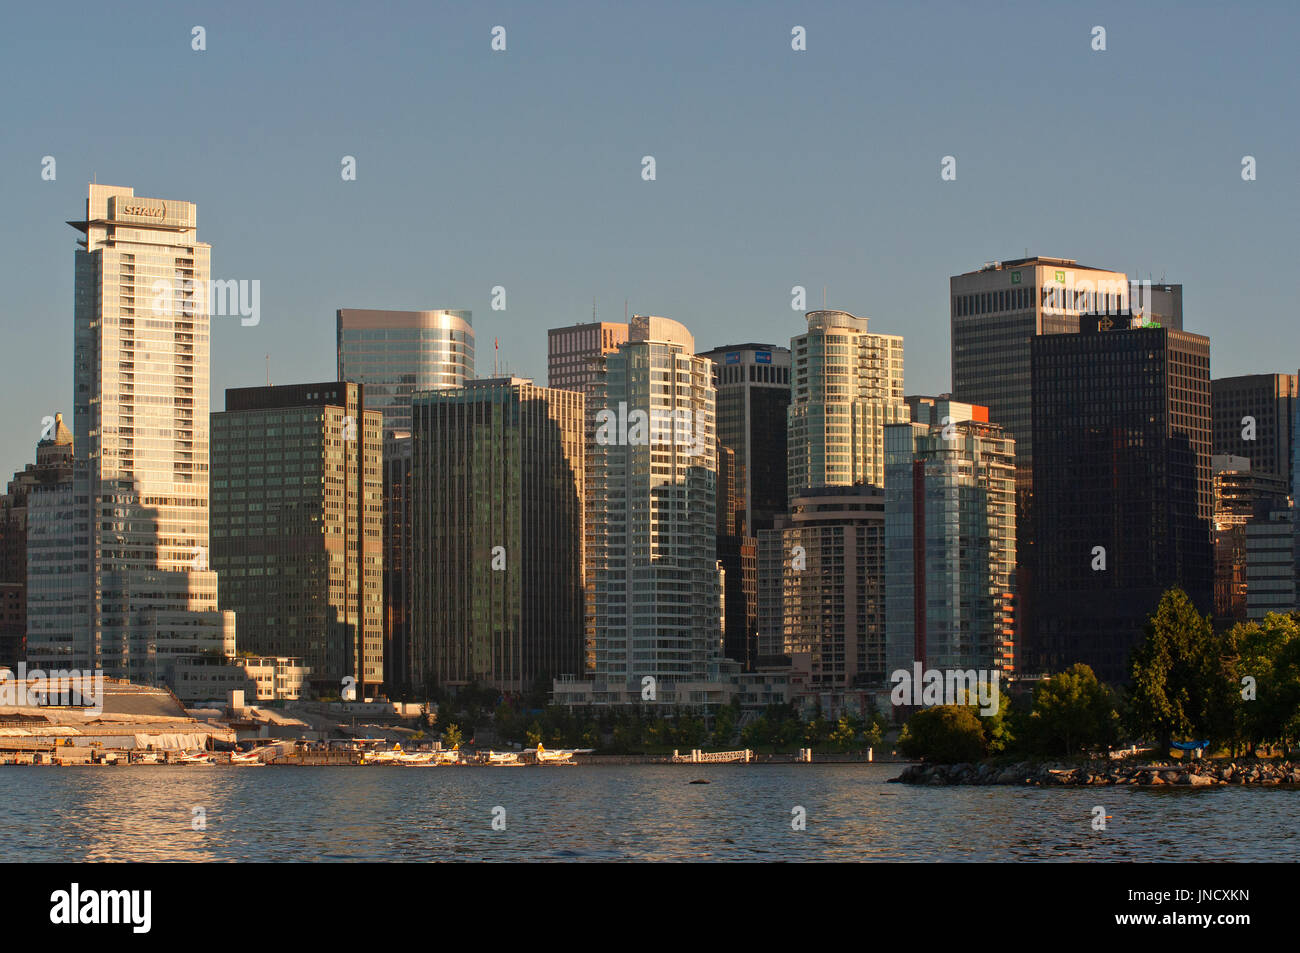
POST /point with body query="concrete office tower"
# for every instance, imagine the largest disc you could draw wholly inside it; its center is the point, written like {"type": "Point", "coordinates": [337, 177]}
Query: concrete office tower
{"type": "Point", "coordinates": [1239, 493]}
{"type": "Point", "coordinates": [656, 576]}
{"type": "Point", "coordinates": [495, 577]}
{"type": "Point", "coordinates": [950, 540]}
{"type": "Point", "coordinates": [846, 386]}
{"type": "Point", "coordinates": [297, 527]}
{"type": "Point", "coordinates": [575, 360]}
{"type": "Point", "coordinates": [396, 354]}
{"type": "Point", "coordinates": [397, 561]}
{"type": "Point", "coordinates": [822, 588]}
{"type": "Point", "coordinates": [1122, 488]}
{"type": "Point", "coordinates": [136, 580]}
{"type": "Point", "coordinates": [1254, 417]}
{"type": "Point", "coordinates": [753, 384]}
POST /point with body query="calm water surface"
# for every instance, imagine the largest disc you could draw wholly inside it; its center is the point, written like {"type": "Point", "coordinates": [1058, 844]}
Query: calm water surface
{"type": "Point", "coordinates": [639, 812]}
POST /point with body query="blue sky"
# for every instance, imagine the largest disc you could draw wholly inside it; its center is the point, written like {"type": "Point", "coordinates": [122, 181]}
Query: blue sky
{"type": "Point", "coordinates": [775, 168]}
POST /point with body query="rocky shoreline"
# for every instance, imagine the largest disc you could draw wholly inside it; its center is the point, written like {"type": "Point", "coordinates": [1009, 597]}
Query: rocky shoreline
{"type": "Point", "coordinates": [1036, 774]}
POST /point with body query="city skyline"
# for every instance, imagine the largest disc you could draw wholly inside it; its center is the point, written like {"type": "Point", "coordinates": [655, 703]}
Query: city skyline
{"type": "Point", "coordinates": [808, 230]}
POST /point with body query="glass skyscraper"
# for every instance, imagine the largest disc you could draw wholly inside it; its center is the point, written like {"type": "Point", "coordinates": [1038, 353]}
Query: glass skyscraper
{"type": "Point", "coordinates": [494, 578]}
{"type": "Point", "coordinates": [396, 354]}
{"type": "Point", "coordinates": [950, 540]}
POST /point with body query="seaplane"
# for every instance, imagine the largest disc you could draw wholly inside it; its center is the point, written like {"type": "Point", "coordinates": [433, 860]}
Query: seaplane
{"type": "Point", "coordinates": [251, 758]}
{"type": "Point", "coordinates": [416, 758]}
{"type": "Point", "coordinates": [507, 759]}
{"type": "Point", "coordinates": [560, 755]}
{"type": "Point", "coordinates": [384, 757]}
{"type": "Point", "coordinates": [200, 757]}
{"type": "Point", "coordinates": [447, 757]}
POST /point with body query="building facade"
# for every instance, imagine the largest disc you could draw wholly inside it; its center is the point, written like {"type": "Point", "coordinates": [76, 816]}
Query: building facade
{"type": "Point", "coordinates": [657, 580]}
{"type": "Point", "coordinates": [298, 527]}
{"type": "Point", "coordinates": [1254, 417]}
{"type": "Point", "coordinates": [950, 540]}
{"type": "Point", "coordinates": [575, 360]}
{"type": "Point", "coordinates": [822, 588]}
{"type": "Point", "coordinates": [846, 387]}
{"type": "Point", "coordinates": [753, 387]}
{"type": "Point", "coordinates": [1122, 487]}
{"type": "Point", "coordinates": [396, 354]}
{"type": "Point", "coordinates": [495, 573]}
{"type": "Point", "coordinates": [136, 538]}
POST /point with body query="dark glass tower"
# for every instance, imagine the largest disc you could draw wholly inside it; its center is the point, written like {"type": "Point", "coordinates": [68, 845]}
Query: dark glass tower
{"type": "Point", "coordinates": [1121, 474]}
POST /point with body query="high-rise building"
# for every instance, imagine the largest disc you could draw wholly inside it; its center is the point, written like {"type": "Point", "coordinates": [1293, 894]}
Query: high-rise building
{"type": "Point", "coordinates": [397, 561]}
{"type": "Point", "coordinates": [822, 584]}
{"type": "Point", "coordinates": [52, 470]}
{"type": "Point", "coordinates": [1271, 584]}
{"type": "Point", "coordinates": [658, 604]}
{"type": "Point", "coordinates": [1122, 488]}
{"type": "Point", "coordinates": [950, 540]}
{"type": "Point", "coordinates": [738, 554]}
{"type": "Point", "coordinates": [495, 573]}
{"type": "Point", "coordinates": [575, 360]}
{"type": "Point", "coordinates": [396, 354]}
{"type": "Point", "coordinates": [136, 583]}
{"type": "Point", "coordinates": [846, 386]}
{"type": "Point", "coordinates": [575, 355]}
{"type": "Point", "coordinates": [1238, 493]}
{"type": "Point", "coordinates": [54, 559]}
{"type": "Point", "coordinates": [1254, 417]}
{"type": "Point", "coordinates": [297, 527]}
{"type": "Point", "coordinates": [753, 385]}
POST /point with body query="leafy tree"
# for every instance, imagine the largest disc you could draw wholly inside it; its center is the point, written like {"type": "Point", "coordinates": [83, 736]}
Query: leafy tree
{"type": "Point", "coordinates": [844, 734]}
{"type": "Point", "coordinates": [724, 725]}
{"type": "Point", "coordinates": [944, 733]}
{"type": "Point", "coordinates": [1178, 685]}
{"type": "Point", "coordinates": [1072, 712]}
{"type": "Point", "coordinates": [1266, 651]}
{"type": "Point", "coordinates": [451, 736]}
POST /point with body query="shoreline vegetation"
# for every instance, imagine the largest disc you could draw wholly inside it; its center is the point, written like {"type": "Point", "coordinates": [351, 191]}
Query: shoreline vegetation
{"type": "Point", "coordinates": [1194, 773]}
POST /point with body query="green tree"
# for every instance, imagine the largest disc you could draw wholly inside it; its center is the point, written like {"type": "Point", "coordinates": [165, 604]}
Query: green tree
{"type": "Point", "coordinates": [724, 726]}
{"type": "Point", "coordinates": [1072, 712]}
{"type": "Point", "coordinates": [945, 733]}
{"type": "Point", "coordinates": [1178, 685]}
{"type": "Point", "coordinates": [451, 736]}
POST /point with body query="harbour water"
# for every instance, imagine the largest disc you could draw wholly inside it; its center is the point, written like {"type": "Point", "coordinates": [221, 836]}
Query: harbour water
{"type": "Point", "coordinates": [628, 812]}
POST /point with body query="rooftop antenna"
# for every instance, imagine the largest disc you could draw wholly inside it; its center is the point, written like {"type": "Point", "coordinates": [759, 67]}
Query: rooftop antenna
{"type": "Point", "coordinates": [268, 370]}
{"type": "Point", "coordinates": [496, 353]}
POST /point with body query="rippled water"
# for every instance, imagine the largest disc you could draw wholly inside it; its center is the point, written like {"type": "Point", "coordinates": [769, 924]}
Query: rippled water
{"type": "Point", "coordinates": [644, 812]}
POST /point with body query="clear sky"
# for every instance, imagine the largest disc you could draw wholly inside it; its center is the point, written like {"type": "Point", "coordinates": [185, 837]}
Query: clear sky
{"type": "Point", "coordinates": [774, 168]}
